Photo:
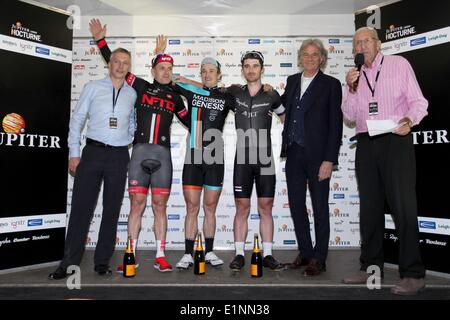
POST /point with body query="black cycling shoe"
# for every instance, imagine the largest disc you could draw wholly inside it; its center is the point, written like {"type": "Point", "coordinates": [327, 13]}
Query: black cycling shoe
{"type": "Point", "coordinates": [272, 263]}
{"type": "Point", "coordinates": [237, 263]}
{"type": "Point", "coordinates": [103, 270]}
{"type": "Point", "coordinates": [58, 274]}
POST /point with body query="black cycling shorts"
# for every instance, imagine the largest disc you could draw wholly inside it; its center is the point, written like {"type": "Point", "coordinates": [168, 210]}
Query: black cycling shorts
{"type": "Point", "coordinates": [202, 175]}
{"type": "Point", "coordinates": [263, 175]}
{"type": "Point", "coordinates": [146, 158]}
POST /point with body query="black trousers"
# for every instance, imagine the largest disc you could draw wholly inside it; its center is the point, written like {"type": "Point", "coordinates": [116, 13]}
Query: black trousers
{"type": "Point", "coordinates": [97, 165]}
{"type": "Point", "coordinates": [386, 172]}
{"type": "Point", "coordinates": [300, 172]}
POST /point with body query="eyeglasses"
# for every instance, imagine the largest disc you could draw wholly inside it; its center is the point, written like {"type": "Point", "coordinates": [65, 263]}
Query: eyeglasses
{"type": "Point", "coordinates": [364, 41]}
{"type": "Point", "coordinates": [253, 55]}
{"type": "Point", "coordinates": [307, 55]}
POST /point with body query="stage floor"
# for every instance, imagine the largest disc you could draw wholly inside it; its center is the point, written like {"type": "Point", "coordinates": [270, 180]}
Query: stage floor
{"type": "Point", "coordinates": [218, 283]}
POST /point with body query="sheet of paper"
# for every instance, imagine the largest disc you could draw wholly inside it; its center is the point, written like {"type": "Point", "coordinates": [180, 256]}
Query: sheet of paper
{"type": "Point", "coordinates": [376, 127]}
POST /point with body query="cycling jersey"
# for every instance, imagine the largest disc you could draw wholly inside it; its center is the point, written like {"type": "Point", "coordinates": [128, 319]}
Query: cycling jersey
{"type": "Point", "coordinates": [155, 106]}
{"type": "Point", "coordinates": [254, 160]}
{"type": "Point", "coordinates": [254, 114]}
{"type": "Point", "coordinates": [208, 109]}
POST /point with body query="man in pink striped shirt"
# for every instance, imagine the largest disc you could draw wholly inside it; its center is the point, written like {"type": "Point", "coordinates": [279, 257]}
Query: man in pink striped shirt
{"type": "Point", "coordinates": [385, 164]}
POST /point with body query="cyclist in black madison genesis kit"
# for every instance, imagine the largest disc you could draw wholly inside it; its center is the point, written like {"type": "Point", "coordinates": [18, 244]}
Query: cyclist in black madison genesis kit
{"type": "Point", "coordinates": [204, 163]}
{"type": "Point", "coordinates": [254, 160]}
{"type": "Point", "coordinates": [151, 162]}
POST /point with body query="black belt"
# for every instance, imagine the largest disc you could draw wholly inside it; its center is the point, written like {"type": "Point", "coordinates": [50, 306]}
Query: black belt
{"type": "Point", "coordinates": [103, 145]}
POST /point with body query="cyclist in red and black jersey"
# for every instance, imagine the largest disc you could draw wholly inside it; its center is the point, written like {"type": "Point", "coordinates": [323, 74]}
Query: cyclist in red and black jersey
{"type": "Point", "coordinates": [151, 162]}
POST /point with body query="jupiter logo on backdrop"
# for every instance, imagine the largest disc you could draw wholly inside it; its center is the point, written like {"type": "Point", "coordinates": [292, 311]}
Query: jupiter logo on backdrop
{"type": "Point", "coordinates": [14, 135]}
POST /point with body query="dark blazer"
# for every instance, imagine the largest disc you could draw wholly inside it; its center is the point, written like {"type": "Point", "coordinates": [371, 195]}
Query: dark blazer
{"type": "Point", "coordinates": [323, 116]}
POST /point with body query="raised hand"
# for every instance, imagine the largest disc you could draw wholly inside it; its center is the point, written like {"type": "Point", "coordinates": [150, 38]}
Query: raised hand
{"type": "Point", "coordinates": [161, 44]}
{"type": "Point", "coordinates": [97, 31]}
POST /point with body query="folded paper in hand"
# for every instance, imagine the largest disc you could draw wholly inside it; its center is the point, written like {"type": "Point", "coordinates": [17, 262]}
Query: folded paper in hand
{"type": "Point", "coordinates": [376, 127]}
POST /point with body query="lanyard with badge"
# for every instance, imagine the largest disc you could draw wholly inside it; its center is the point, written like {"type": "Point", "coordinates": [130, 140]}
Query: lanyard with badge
{"type": "Point", "coordinates": [373, 105]}
{"type": "Point", "coordinates": [113, 119]}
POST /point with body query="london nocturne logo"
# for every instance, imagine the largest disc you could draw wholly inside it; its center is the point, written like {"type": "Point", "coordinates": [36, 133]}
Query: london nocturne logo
{"type": "Point", "coordinates": [19, 31]}
{"type": "Point", "coordinates": [394, 32]}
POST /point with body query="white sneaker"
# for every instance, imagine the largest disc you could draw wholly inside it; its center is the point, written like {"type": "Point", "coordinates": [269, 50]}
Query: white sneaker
{"type": "Point", "coordinates": [212, 259]}
{"type": "Point", "coordinates": [185, 262]}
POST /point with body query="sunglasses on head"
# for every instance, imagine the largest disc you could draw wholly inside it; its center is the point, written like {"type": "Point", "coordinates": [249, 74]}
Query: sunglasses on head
{"type": "Point", "coordinates": [253, 55]}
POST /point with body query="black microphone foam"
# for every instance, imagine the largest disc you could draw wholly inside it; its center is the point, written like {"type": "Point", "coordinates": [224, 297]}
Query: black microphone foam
{"type": "Point", "coordinates": [359, 61]}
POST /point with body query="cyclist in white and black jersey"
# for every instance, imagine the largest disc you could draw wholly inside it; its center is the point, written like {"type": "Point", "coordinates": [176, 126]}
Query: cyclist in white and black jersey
{"type": "Point", "coordinates": [254, 160]}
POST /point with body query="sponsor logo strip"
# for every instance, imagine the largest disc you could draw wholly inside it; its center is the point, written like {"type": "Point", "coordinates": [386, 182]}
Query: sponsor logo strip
{"type": "Point", "coordinates": [417, 41]}
{"type": "Point", "coordinates": [35, 49]}
{"type": "Point", "coordinates": [426, 224]}
{"type": "Point", "coordinates": [27, 223]}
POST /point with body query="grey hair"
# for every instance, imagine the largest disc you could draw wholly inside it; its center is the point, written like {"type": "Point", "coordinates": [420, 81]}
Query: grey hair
{"type": "Point", "coordinates": [319, 45]}
{"type": "Point", "coordinates": [370, 29]}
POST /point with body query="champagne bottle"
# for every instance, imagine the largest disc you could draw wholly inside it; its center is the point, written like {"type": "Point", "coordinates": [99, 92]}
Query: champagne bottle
{"type": "Point", "coordinates": [199, 257]}
{"type": "Point", "coordinates": [256, 264]}
{"type": "Point", "coordinates": [129, 263]}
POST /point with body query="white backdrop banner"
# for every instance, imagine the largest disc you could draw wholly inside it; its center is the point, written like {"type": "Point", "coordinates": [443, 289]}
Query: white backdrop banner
{"type": "Point", "coordinates": [280, 62]}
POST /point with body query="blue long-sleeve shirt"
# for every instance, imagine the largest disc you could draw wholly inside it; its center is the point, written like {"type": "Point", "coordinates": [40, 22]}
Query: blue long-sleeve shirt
{"type": "Point", "coordinates": [96, 104]}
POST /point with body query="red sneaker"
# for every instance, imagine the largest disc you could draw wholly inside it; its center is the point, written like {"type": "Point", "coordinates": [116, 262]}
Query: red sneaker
{"type": "Point", "coordinates": [162, 265]}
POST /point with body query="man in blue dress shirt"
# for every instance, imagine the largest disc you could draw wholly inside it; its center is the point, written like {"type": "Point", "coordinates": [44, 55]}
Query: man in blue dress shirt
{"type": "Point", "coordinates": [108, 105]}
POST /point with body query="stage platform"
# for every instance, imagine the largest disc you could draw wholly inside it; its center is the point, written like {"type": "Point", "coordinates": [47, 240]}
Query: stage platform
{"type": "Point", "coordinates": [217, 284]}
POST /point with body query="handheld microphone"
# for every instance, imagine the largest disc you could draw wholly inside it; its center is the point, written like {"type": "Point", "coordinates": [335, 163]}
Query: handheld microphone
{"type": "Point", "coordinates": [359, 61]}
